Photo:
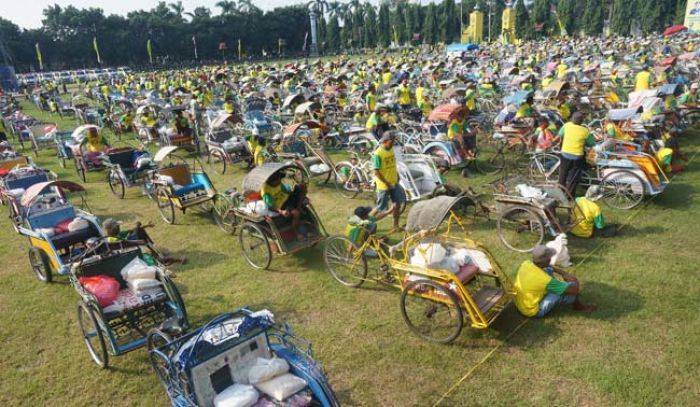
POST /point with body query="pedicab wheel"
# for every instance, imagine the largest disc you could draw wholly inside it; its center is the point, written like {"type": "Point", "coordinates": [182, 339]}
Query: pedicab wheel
{"type": "Point", "coordinates": [116, 184]}
{"type": "Point", "coordinates": [255, 246]}
{"type": "Point", "coordinates": [622, 189]}
{"type": "Point", "coordinates": [177, 297]}
{"type": "Point", "coordinates": [92, 335]}
{"type": "Point", "coordinates": [159, 361]}
{"type": "Point", "coordinates": [542, 166]}
{"type": "Point", "coordinates": [80, 170]}
{"type": "Point", "coordinates": [348, 181]}
{"type": "Point", "coordinates": [342, 261]}
{"type": "Point", "coordinates": [40, 264]}
{"type": "Point", "coordinates": [223, 215]}
{"type": "Point", "coordinates": [217, 161]}
{"type": "Point", "coordinates": [520, 229]}
{"type": "Point", "coordinates": [490, 159]}
{"type": "Point", "coordinates": [431, 311]}
{"type": "Point", "coordinates": [165, 206]}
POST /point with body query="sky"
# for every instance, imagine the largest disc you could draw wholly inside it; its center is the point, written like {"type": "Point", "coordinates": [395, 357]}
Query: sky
{"type": "Point", "coordinates": [28, 13]}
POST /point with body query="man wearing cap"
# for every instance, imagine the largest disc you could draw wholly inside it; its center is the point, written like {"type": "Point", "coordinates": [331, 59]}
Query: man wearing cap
{"type": "Point", "coordinates": [386, 177]}
{"type": "Point", "coordinates": [538, 291]}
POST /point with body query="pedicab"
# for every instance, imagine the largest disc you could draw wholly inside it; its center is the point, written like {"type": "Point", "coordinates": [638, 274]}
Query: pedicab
{"type": "Point", "coordinates": [445, 279]}
{"type": "Point", "coordinates": [297, 144]}
{"type": "Point", "coordinates": [214, 364]}
{"type": "Point", "coordinates": [129, 167]}
{"type": "Point", "coordinates": [57, 230]}
{"type": "Point", "coordinates": [529, 210]}
{"type": "Point", "coordinates": [16, 182]}
{"type": "Point", "coordinates": [64, 144]}
{"type": "Point", "coordinates": [263, 233]}
{"type": "Point", "coordinates": [85, 161]}
{"type": "Point", "coordinates": [146, 122]}
{"type": "Point", "coordinates": [168, 133]}
{"type": "Point", "coordinates": [141, 297]}
{"type": "Point", "coordinates": [225, 143]}
{"type": "Point", "coordinates": [39, 135]}
{"type": "Point", "coordinates": [177, 185]}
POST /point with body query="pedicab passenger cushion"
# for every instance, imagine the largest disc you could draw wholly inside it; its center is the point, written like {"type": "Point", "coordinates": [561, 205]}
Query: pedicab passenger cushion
{"type": "Point", "coordinates": [26, 182]}
{"type": "Point", "coordinates": [199, 182]}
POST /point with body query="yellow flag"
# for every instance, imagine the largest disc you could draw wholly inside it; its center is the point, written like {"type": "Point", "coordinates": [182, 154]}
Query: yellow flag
{"type": "Point", "coordinates": [97, 50]}
{"type": "Point", "coordinates": [39, 57]}
{"type": "Point", "coordinates": [149, 48]}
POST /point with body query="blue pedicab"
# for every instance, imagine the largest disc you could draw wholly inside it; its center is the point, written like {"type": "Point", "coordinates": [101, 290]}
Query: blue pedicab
{"type": "Point", "coordinates": [211, 365]}
{"type": "Point", "coordinates": [179, 185]}
{"type": "Point", "coordinates": [128, 168]}
{"type": "Point", "coordinates": [15, 183]}
{"type": "Point", "coordinates": [57, 230]}
{"type": "Point", "coordinates": [65, 144]}
{"type": "Point", "coordinates": [122, 326]}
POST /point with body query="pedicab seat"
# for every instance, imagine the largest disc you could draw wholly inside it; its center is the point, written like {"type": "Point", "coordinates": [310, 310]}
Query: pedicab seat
{"type": "Point", "coordinates": [67, 239]}
{"type": "Point", "coordinates": [51, 217]}
{"type": "Point", "coordinates": [26, 182]}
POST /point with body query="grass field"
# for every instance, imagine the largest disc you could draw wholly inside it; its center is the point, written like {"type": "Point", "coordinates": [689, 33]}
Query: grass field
{"type": "Point", "coordinates": [639, 348]}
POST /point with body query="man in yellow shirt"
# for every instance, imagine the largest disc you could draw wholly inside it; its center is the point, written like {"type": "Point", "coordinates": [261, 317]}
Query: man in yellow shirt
{"type": "Point", "coordinates": [575, 138]}
{"type": "Point", "coordinates": [386, 178]}
{"type": "Point", "coordinates": [403, 95]}
{"type": "Point", "coordinates": [643, 80]}
{"type": "Point", "coordinates": [286, 200]}
{"type": "Point", "coordinates": [538, 291]}
{"type": "Point", "coordinates": [587, 217]}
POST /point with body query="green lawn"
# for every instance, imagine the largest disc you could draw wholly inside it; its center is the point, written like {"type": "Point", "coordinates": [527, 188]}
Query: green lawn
{"type": "Point", "coordinates": [639, 348]}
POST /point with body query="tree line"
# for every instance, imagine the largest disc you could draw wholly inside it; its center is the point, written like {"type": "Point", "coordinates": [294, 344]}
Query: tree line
{"type": "Point", "coordinates": [67, 33]}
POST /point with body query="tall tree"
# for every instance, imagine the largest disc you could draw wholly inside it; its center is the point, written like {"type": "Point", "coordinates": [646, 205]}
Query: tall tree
{"type": "Point", "coordinates": [523, 27]}
{"type": "Point", "coordinates": [384, 31]}
{"type": "Point", "coordinates": [593, 17]}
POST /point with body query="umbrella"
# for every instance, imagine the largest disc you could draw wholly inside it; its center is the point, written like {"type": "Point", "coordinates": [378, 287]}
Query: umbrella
{"type": "Point", "coordinates": [674, 29]}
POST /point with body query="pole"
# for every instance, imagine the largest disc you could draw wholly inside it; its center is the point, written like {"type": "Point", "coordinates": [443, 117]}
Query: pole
{"type": "Point", "coordinates": [490, 7]}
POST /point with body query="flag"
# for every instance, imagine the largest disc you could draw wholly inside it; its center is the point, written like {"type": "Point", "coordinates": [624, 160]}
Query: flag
{"type": "Point", "coordinates": [39, 57]}
{"type": "Point", "coordinates": [97, 50]}
{"type": "Point", "coordinates": [240, 50]}
{"type": "Point", "coordinates": [194, 42]}
{"type": "Point", "coordinates": [149, 49]}
{"type": "Point", "coordinates": [396, 36]}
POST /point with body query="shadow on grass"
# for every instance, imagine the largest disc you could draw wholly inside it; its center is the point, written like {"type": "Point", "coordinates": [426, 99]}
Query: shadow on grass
{"type": "Point", "coordinates": [198, 259]}
{"type": "Point", "coordinates": [676, 196]}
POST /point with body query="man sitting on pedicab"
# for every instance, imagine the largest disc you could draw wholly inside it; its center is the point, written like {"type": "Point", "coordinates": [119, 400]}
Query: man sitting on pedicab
{"type": "Point", "coordinates": [137, 237]}
{"type": "Point", "coordinates": [459, 134]}
{"type": "Point", "coordinates": [182, 124]}
{"type": "Point", "coordinates": [539, 288]}
{"type": "Point", "coordinates": [95, 144]}
{"type": "Point", "coordinates": [288, 201]}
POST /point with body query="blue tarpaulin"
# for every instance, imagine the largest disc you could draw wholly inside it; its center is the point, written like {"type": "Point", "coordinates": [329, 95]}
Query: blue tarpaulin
{"type": "Point", "coordinates": [459, 48]}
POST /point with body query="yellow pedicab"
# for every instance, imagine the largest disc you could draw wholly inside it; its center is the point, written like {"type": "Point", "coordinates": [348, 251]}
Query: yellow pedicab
{"type": "Point", "coordinates": [445, 278]}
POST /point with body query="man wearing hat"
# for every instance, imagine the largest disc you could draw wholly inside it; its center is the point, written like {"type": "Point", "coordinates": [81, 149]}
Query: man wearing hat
{"type": "Point", "coordinates": [386, 177]}
{"type": "Point", "coordinates": [538, 291]}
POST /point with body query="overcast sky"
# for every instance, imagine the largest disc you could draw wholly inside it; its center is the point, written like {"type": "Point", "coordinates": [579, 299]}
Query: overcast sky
{"type": "Point", "coordinates": [28, 13]}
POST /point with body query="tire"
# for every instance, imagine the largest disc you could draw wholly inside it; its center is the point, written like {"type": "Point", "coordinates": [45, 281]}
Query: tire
{"type": "Point", "coordinates": [217, 161]}
{"type": "Point", "coordinates": [431, 320]}
{"type": "Point", "coordinates": [165, 206]}
{"type": "Point", "coordinates": [223, 214]}
{"type": "Point", "coordinates": [520, 229]}
{"type": "Point", "coordinates": [39, 261]}
{"type": "Point", "coordinates": [116, 184]}
{"type": "Point", "coordinates": [348, 182]}
{"type": "Point", "coordinates": [342, 264]}
{"type": "Point", "coordinates": [92, 335]}
{"type": "Point", "coordinates": [159, 361]}
{"type": "Point", "coordinates": [255, 246]}
{"type": "Point", "coordinates": [622, 189]}
{"type": "Point", "coordinates": [177, 297]}
{"type": "Point", "coordinates": [490, 159]}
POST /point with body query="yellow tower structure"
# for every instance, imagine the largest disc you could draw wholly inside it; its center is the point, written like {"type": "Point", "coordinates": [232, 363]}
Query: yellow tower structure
{"type": "Point", "coordinates": [474, 33]}
{"type": "Point", "coordinates": [508, 25]}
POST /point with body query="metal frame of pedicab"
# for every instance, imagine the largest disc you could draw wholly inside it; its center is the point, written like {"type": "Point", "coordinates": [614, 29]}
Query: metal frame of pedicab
{"type": "Point", "coordinates": [21, 177]}
{"type": "Point", "coordinates": [314, 154]}
{"type": "Point", "coordinates": [117, 333]}
{"type": "Point", "coordinates": [119, 180]}
{"type": "Point", "coordinates": [82, 165]}
{"type": "Point", "coordinates": [179, 370]}
{"type": "Point", "coordinates": [529, 216]}
{"type": "Point", "coordinates": [165, 115]}
{"type": "Point", "coordinates": [40, 136]}
{"type": "Point", "coordinates": [165, 195]}
{"type": "Point", "coordinates": [217, 155]}
{"type": "Point", "coordinates": [437, 287]}
{"type": "Point", "coordinates": [44, 257]}
{"type": "Point", "coordinates": [263, 228]}
{"type": "Point", "coordinates": [142, 130]}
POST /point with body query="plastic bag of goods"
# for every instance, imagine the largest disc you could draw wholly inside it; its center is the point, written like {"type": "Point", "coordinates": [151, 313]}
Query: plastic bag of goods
{"type": "Point", "coordinates": [428, 254]}
{"type": "Point", "coordinates": [78, 224]}
{"type": "Point", "coordinates": [281, 387]}
{"type": "Point", "coordinates": [237, 395]}
{"type": "Point", "coordinates": [266, 369]}
{"type": "Point", "coordinates": [560, 245]}
{"type": "Point", "coordinates": [138, 269]}
{"type": "Point", "coordinates": [319, 168]}
{"type": "Point", "coordinates": [143, 284]}
{"type": "Point", "coordinates": [104, 288]}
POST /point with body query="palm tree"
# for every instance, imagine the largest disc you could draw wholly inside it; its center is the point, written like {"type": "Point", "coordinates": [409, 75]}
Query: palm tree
{"type": "Point", "coordinates": [227, 7]}
{"type": "Point", "coordinates": [247, 6]}
{"type": "Point", "coordinates": [177, 8]}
